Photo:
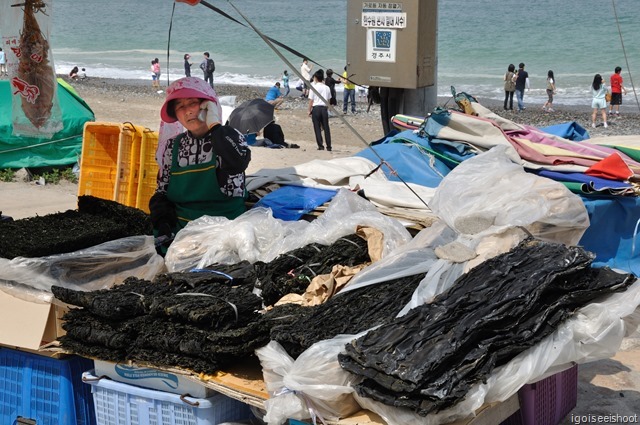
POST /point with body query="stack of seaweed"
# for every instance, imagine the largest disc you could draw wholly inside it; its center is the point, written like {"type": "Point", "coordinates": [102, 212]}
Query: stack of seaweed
{"type": "Point", "coordinates": [350, 312]}
{"type": "Point", "coordinates": [96, 221]}
{"type": "Point", "coordinates": [197, 320]}
{"type": "Point", "coordinates": [292, 272]}
{"type": "Point", "coordinates": [428, 359]}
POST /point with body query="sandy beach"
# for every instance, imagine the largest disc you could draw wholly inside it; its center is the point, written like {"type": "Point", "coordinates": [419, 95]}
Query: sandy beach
{"type": "Point", "coordinates": [606, 387]}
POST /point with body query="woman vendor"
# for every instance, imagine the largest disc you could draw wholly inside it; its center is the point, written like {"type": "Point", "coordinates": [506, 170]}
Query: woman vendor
{"type": "Point", "coordinates": [203, 168]}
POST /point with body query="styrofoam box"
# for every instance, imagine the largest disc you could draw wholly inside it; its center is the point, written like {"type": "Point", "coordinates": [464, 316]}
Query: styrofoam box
{"type": "Point", "coordinates": [117, 403]}
{"type": "Point", "coordinates": [155, 379]}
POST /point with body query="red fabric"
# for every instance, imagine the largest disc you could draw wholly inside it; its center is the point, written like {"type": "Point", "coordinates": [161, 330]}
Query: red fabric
{"type": "Point", "coordinates": [612, 167]}
{"type": "Point", "coordinates": [190, 2]}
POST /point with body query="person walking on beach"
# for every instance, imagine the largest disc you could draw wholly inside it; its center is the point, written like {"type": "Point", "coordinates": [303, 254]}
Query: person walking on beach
{"type": "Point", "coordinates": [331, 83]}
{"type": "Point", "coordinates": [3, 63]}
{"type": "Point", "coordinates": [305, 70]}
{"type": "Point", "coordinates": [318, 110]}
{"type": "Point", "coordinates": [522, 82]}
{"type": "Point", "coordinates": [349, 93]}
{"type": "Point", "coordinates": [187, 65]}
{"type": "Point", "coordinates": [155, 73]}
{"type": "Point", "coordinates": [616, 91]}
{"type": "Point", "coordinates": [203, 168]}
{"type": "Point", "coordinates": [274, 96]}
{"type": "Point", "coordinates": [599, 91]}
{"type": "Point", "coordinates": [208, 67]}
{"type": "Point", "coordinates": [285, 83]}
{"type": "Point", "coordinates": [509, 86]}
{"type": "Point", "coordinates": [551, 90]}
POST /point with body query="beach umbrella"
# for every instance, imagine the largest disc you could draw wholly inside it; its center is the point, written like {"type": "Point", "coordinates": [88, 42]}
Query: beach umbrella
{"type": "Point", "coordinates": [251, 116]}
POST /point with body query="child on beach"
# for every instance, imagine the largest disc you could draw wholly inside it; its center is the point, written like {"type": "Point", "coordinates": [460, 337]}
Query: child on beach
{"type": "Point", "coordinates": [285, 83]}
{"type": "Point", "coordinates": [616, 91]}
{"type": "Point", "coordinates": [551, 90]}
{"type": "Point", "coordinates": [599, 91]}
{"type": "Point", "coordinates": [155, 74]}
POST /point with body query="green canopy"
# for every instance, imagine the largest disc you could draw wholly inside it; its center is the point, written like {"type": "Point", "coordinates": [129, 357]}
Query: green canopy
{"type": "Point", "coordinates": [63, 148]}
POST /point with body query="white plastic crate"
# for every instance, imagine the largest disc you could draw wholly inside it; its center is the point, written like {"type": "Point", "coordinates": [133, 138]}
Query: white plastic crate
{"type": "Point", "coordinates": [117, 403]}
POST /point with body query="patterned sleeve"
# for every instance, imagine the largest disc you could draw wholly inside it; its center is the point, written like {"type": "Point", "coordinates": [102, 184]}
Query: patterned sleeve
{"type": "Point", "coordinates": [164, 174]}
{"type": "Point", "coordinates": [232, 150]}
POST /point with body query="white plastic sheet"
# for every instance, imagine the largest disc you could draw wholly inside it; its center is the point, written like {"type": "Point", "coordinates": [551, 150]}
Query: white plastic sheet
{"type": "Point", "coordinates": [90, 269]}
{"type": "Point", "coordinates": [489, 193]}
{"type": "Point", "coordinates": [312, 386]}
{"type": "Point", "coordinates": [257, 236]}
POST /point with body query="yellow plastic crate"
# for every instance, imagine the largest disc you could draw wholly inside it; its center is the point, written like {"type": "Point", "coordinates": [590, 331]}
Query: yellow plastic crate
{"type": "Point", "coordinates": [128, 164]}
{"type": "Point", "coordinates": [99, 159]}
{"type": "Point", "coordinates": [148, 171]}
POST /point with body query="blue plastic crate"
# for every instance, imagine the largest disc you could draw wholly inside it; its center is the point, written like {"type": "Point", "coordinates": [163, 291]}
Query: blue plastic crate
{"type": "Point", "coordinates": [47, 390]}
{"type": "Point", "coordinates": [117, 403]}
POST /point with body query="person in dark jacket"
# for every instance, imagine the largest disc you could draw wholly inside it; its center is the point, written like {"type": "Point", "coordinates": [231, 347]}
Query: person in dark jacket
{"type": "Point", "coordinates": [187, 65]}
{"type": "Point", "coordinates": [203, 168]}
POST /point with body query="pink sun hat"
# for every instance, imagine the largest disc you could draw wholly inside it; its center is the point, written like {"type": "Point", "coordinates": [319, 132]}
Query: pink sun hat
{"type": "Point", "coordinates": [184, 88]}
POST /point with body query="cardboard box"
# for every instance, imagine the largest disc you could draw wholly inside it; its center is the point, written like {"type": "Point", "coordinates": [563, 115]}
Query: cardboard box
{"type": "Point", "coordinates": [26, 324]}
{"type": "Point", "coordinates": [155, 379]}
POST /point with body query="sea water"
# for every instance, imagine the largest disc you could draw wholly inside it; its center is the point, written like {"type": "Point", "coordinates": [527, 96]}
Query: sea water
{"type": "Point", "coordinates": [477, 40]}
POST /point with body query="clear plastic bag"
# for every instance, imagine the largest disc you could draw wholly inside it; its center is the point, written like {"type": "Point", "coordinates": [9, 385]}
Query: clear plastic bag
{"type": "Point", "coordinates": [257, 235]}
{"type": "Point", "coordinates": [90, 269]}
{"type": "Point", "coordinates": [312, 386]}
{"type": "Point", "coordinates": [489, 193]}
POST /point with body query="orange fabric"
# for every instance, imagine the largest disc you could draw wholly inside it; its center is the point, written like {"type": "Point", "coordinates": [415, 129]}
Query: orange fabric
{"type": "Point", "coordinates": [612, 167]}
{"type": "Point", "coordinates": [190, 2]}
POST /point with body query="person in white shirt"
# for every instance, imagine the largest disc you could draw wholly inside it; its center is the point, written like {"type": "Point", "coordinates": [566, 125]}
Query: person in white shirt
{"type": "Point", "coordinates": [305, 70]}
{"type": "Point", "coordinates": [318, 110]}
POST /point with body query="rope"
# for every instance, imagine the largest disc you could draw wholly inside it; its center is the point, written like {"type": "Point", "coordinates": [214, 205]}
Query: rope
{"type": "Point", "coordinates": [624, 51]}
{"type": "Point", "coordinates": [39, 144]}
{"type": "Point", "coordinates": [173, 10]}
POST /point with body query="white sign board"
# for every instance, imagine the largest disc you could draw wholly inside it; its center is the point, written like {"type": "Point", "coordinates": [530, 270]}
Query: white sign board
{"type": "Point", "coordinates": [381, 45]}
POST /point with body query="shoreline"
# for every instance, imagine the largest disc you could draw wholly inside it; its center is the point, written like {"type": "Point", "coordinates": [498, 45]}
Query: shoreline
{"type": "Point", "coordinates": [128, 91]}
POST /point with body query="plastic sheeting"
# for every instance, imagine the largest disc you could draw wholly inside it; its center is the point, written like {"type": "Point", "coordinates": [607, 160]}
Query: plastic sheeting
{"type": "Point", "coordinates": [489, 192]}
{"type": "Point", "coordinates": [257, 235]}
{"type": "Point", "coordinates": [98, 267]}
{"type": "Point", "coordinates": [292, 202]}
{"type": "Point", "coordinates": [612, 235]}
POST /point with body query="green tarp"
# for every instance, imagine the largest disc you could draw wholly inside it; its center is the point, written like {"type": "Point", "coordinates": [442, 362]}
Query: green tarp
{"type": "Point", "coordinates": [61, 149]}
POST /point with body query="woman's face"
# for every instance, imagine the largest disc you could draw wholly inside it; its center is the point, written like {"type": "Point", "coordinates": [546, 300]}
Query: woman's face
{"type": "Point", "coordinates": [187, 111]}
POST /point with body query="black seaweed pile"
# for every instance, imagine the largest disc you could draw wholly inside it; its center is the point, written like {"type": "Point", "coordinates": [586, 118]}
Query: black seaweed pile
{"type": "Point", "coordinates": [347, 313]}
{"type": "Point", "coordinates": [199, 320]}
{"type": "Point", "coordinates": [428, 359]}
{"type": "Point", "coordinates": [292, 272]}
{"type": "Point", "coordinates": [96, 221]}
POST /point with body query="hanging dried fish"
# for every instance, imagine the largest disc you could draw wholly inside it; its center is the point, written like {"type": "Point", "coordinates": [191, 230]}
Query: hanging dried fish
{"type": "Point", "coordinates": [35, 80]}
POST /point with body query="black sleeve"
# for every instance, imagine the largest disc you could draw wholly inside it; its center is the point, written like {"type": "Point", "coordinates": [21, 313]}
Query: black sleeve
{"type": "Point", "coordinates": [231, 148]}
{"type": "Point", "coordinates": [162, 211]}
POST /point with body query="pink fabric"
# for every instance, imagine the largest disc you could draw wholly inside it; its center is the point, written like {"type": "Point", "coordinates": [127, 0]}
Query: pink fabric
{"type": "Point", "coordinates": [536, 136]}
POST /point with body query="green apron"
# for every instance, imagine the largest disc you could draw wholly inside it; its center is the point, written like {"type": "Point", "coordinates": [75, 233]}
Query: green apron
{"type": "Point", "coordinates": [195, 191]}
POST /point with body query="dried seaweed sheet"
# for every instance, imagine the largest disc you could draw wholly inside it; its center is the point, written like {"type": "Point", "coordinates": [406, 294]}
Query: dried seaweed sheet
{"type": "Point", "coordinates": [96, 221]}
{"type": "Point", "coordinates": [279, 278]}
{"type": "Point", "coordinates": [347, 313]}
{"type": "Point", "coordinates": [428, 359]}
{"type": "Point", "coordinates": [167, 343]}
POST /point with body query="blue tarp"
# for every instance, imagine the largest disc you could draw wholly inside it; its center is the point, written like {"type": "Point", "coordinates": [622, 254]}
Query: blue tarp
{"type": "Point", "coordinates": [610, 234]}
{"type": "Point", "coordinates": [417, 159]}
{"type": "Point", "coordinates": [290, 203]}
{"type": "Point", "coordinates": [568, 130]}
